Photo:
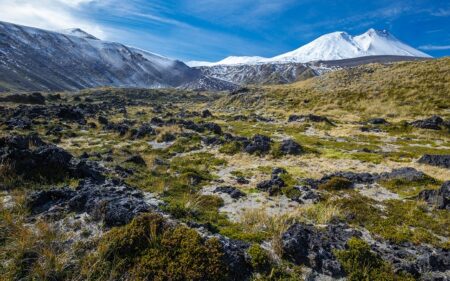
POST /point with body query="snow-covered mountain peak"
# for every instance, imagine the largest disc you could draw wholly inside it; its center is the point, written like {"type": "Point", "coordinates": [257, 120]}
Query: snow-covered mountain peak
{"type": "Point", "coordinates": [78, 32]}
{"type": "Point", "coordinates": [334, 46]}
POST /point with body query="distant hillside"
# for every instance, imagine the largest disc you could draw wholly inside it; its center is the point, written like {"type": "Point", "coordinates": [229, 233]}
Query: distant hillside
{"type": "Point", "coordinates": [35, 59]}
{"type": "Point", "coordinates": [400, 89]}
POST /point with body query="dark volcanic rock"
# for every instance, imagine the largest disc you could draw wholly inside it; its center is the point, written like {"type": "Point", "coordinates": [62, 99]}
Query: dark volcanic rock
{"type": "Point", "coordinates": [111, 203]}
{"type": "Point", "coordinates": [436, 160]}
{"type": "Point", "coordinates": [439, 198]}
{"type": "Point", "coordinates": [377, 121]}
{"type": "Point", "coordinates": [407, 174]}
{"type": "Point", "coordinates": [309, 118]}
{"type": "Point", "coordinates": [305, 244]}
{"type": "Point", "coordinates": [136, 159]}
{"type": "Point", "coordinates": [232, 191]}
{"type": "Point", "coordinates": [72, 114]}
{"type": "Point", "coordinates": [274, 185]}
{"type": "Point", "coordinates": [145, 130]}
{"type": "Point", "coordinates": [433, 123]}
{"type": "Point", "coordinates": [34, 98]}
{"type": "Point", "coordinates": [213, 127]}
{"type": "Point", "coordinates": [19, 123]}
{"type": "Point", "coordinates": [307, 195]}
{"type": "Point", "coordinates": [206, 113]}
{"type": "Point", "coordinates": [236, 258]}
{"type": "Point", "coordinates": [30, 157]}
{"type": "Point", "coordinates": [258, 144]}
{"type": "Point", "coordinates": [290, 147]}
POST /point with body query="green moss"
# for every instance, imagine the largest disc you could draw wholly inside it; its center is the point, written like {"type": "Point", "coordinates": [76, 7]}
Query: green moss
{"type": "Point", "coordinates": [231, 148]}
{"type": "Point", "coordinates": [336, 183]}
{"type": "Point", "coordinates": [360, 263]}
{"type": "Point", "coordinates": [260, 259]}
{"type": "Point", "coordinates": [410, 188]}
{"type": "Point", "coordinates": [396, 220]}
{"type": "Point", "coordinates": [149, 249]}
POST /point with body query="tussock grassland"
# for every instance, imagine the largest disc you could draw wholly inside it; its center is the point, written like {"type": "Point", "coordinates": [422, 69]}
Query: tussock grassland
{"type": "Point", "coordinates": [399, 90]}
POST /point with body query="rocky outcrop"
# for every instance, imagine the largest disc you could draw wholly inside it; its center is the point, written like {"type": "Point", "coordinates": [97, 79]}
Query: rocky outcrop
{"type": "Point", "coordinates": [33, 159]}
{"type": "Point", "coordinates": [436, 160]}
{"type": "Point", "coordinates": [304, 244]}
{"type": "Point", "coordinates": [314, 247]}
{"type": "Point", "coordinates": [309, 118]}
{"type": "Point", "coordinates": [433, 123]}
{"type": "Point", "coordinates": [112, 203]}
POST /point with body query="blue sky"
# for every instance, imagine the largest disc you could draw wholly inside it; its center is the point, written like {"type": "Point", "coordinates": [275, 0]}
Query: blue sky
{"type": "Point", "coordinates": [213, 29]}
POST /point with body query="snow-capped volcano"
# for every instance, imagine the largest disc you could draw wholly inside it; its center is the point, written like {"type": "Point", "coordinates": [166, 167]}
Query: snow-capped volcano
{"type": "Point", "coordinates": [335, 46]}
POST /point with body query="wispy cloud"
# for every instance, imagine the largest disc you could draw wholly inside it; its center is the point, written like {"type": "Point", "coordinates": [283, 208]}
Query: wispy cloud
{"type": "Point", "coordinates": [435, 47]}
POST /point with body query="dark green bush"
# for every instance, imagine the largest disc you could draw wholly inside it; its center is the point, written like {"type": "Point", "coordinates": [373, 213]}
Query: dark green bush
{"type": "Point", "coordinates": [150, 249]}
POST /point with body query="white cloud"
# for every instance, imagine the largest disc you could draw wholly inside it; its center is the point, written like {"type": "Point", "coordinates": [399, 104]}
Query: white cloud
{"type": "Point", "coordinates": [49, 14]}
{"type": "Point", "coordinates": [435, 47]}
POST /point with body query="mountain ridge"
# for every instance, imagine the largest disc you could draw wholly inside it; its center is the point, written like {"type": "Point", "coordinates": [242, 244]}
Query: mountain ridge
{"type": "Point", "coordinates": [33, 59]}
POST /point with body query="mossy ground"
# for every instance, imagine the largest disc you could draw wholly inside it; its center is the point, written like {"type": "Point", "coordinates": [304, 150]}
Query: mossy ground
{"type": "Point", "coordinates": [179, 173]}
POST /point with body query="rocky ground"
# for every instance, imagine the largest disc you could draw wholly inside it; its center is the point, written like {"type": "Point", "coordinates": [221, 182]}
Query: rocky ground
{"type": "Point", "coordinates": [170, 185]}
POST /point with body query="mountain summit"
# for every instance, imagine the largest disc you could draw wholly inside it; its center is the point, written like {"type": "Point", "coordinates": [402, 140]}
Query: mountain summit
{"type": "Point", "coordinates": [336, 46]}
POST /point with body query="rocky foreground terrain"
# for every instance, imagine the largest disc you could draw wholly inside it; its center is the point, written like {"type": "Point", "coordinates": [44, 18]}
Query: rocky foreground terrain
{"type": "Point", "coordinates": [329, 179]}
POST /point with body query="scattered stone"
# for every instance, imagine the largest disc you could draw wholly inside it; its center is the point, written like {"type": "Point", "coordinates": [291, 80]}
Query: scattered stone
{"type": "Point", "coordinates": [274, 185]}
{"type": "Point", "coordinates": [102, 120]}
{"type": "Point", "coordinates": [377, 121]}
{"type": "Point", "coordinates": [290, 147]}
{"type": "Point", "coordinates": [242, 180]}
{"type": "Point", "coordinates": [230, 190]}
{"type": "Point", "coordinates": [206, 113]}
{"type": "Point", "coordinates": [167, 137]}
{"type": "Point", "coordinates": [213, 127]}
{"type": "Point", "coordinates": [136, 159]}
{"type": "Point", "coordinates": [433, 123]}
{"type": "Point", "coordinates": [145, 130]}
{"type": "Point", "coordinates": [309, 118]}
{"type": "Point", "coordinates": [439, 198]}
{"type": "Point", "coordinates": [259, 144]}
{"type": "Point", "coordinates": [436, 160]}
{"type": "Point", "coordinates": [19, 123]}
